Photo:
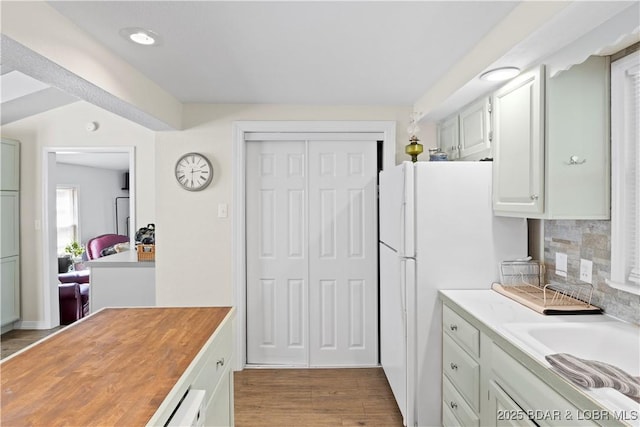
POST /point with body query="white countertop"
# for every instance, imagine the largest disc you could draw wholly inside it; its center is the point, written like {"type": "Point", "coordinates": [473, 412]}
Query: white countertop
{"type": "Point", "coordinates": [502, 316]}
{"type": "Point", "coordinates": [120, 259]}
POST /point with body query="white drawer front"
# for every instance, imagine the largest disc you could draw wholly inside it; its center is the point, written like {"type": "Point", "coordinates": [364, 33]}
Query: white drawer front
{"type": "Point", "coordinates": [462, 370]}
{"type": "Point", "coordinates": [462, 331]}
{"type": "Point", "coordinates": [454, 404]}
{"type": "Point", "coordinates": [532, 394]}
{"type": "Point", "coordinates": [219, 357]}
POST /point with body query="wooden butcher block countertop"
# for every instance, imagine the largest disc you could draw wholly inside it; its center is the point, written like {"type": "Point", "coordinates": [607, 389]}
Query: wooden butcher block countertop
{"type": "Point", "coordinates": [112, 368]}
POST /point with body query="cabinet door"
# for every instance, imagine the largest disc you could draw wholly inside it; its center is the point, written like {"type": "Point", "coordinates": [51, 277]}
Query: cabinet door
{"type": "Point", "coordinates": [220, 407]}
{"type": "Point", "coordinates": [504, 411]}
{"type": "Point", "coordinates": [10, 289]}
{"type": "Point", "coordinates": [10, 169]}
{"type": "Point", "coordinates": [448, 137]}
{"type": "Point", "coordinates": [518, 151]}
{"type": "Point", "coordinates": [474, 130]}
{"type": "Point", "coordinates": [9, 223]}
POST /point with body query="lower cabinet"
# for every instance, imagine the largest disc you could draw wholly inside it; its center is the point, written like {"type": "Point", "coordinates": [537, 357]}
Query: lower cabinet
{"type": "Point", "coordinates": [484, 385]}
{"type": "Point", "coordinates": [10, 296]}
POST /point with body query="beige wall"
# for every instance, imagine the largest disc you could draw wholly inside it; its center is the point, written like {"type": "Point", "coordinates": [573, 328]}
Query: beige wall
{"type": "Point", "coordinates": [194, 252]}
{"type": "Point", "coordinates": [194, 246]}
{"type": "Point", "coordinates": [65, 127]}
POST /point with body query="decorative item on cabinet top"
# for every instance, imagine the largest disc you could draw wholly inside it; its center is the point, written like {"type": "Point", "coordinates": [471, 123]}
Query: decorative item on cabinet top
{"type": "Point", "coordinates": [414, 148]}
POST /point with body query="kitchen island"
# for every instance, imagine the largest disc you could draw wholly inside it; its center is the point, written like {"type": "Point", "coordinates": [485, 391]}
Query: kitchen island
{"type": "Point", "coordinates": [124, 366]}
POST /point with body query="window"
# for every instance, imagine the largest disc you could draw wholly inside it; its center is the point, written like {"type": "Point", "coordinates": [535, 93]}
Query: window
{"type": "Point", "coordinates": [625, 173]}
{"type": "Point", "coordinates": [67, 216]}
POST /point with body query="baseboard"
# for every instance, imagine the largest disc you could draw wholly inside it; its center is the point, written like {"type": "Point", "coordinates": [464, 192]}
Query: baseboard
{"type": "Point", "coordinates": [32, 324]}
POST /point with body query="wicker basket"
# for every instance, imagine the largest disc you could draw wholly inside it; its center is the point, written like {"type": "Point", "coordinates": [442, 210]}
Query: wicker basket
{"type": "Point", "coordinates": [146, 252]}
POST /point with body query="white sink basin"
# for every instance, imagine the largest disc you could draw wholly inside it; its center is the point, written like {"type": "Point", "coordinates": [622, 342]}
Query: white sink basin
{"type": "Point", "coordinates": [612, 342]}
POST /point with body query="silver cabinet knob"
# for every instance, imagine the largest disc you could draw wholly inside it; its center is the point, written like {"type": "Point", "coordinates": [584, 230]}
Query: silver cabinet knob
{"type": "Point", "coordinates": [575, 160]}
{"type": "Point", "coordinates": [454, 367]}
{"type": "Point", "coordinates": [453, 405]}
{"type": "Point", "coordinates": [534, 197]}
{"type": "Point", "coordinates": [220, 362]}
{"type": "Point", "coordinates": [453, 327]}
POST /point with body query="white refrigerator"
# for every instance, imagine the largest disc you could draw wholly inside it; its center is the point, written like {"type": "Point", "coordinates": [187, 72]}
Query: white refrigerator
{"type": "Point", "coordinates": [437, 231]}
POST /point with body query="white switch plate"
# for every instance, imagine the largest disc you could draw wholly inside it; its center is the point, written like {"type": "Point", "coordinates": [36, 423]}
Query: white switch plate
{"type": "Point", "coordinates": [561, 264]}
{"type": "Point", "coordinates": [586, 270]}
{"type": "Point", "coordinates": [222, 210]}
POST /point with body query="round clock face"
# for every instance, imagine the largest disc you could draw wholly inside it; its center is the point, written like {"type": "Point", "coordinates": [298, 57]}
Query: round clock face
{"type": "Point", "coordinates": [194, 171]}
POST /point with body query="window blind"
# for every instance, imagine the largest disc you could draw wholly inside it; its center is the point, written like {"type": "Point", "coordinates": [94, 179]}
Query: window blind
{"type": "Point", "coordinates": [625, 131]}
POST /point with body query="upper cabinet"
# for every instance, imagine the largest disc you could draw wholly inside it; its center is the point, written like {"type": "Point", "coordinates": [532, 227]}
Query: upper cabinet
{"type": "Point", "coordinates": [519, 145]}
{"type": "Point", "coordinates": [10, 159]}
{"type": "Point", "coordinates": [466, 135]}
{"type": "Point", "coordinates": [551, 144]}
{"type": "Point", "coordinates": [448, 137]}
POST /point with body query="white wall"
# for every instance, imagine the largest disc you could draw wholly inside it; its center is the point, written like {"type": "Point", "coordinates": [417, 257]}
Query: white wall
{"type": "Point", "coordinates": [97, 190]}
{"type": "Point", "coordinates": [194, 246]}
{"type": "Point", "coordinates": [65, 127]}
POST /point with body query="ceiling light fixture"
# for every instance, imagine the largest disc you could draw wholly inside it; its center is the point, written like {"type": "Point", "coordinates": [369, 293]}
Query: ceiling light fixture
{"type": "Point", "coordinates": [140, 36]}
{"type": "Point", "coordinates": [500, 74]}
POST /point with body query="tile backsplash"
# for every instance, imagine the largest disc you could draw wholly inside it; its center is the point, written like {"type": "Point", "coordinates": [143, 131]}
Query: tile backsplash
{"type": "Point", "coordinates": [590, 240]}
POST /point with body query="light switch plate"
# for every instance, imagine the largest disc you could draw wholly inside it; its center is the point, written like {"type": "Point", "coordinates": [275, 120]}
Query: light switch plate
{"type": "Point", "coordinates": [586, 270]}
{"type": "Point", "coordinates": [561, 264]}
{"type": "Point", "coordinates": [222, 210]}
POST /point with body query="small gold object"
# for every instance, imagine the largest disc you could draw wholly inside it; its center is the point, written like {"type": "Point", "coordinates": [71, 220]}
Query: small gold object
{"type": "Point", "coordinates": [414, 149]}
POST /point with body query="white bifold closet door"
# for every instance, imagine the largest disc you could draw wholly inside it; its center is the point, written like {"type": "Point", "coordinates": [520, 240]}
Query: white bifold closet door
{"type": "Point", "coordinates": [312, 277]}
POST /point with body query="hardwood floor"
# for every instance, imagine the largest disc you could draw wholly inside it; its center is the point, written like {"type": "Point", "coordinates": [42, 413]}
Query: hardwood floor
{"type": "Point", "coordinates": [17, 339]}
{"type": "Point", "coordinates": [314, 398]}
{"type": "Point", "coordinates": [290, 397]}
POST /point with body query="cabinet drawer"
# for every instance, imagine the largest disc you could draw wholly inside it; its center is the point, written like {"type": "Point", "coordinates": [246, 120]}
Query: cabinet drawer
{"type": "Point", "coordinates": [462, 331]}
{"type": "Point", "coordinates": [219, 358]}
{"type": "Point", "coordinates": [531, 393]}
{"type": "Point", "coordinates": [462, 370]}
{"type": "Point", "coordinates": [454, 405]}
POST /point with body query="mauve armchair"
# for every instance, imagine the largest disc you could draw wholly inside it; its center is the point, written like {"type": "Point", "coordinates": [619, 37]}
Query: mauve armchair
{"type": "Point", "coordinates": [96, 245]}
{"type": "Point", "coordinates": [74, 302]}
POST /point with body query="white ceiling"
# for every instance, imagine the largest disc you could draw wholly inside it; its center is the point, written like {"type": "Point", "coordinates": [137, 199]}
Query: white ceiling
{"type": "Point", "coordinates": [313, 52]}
{"type": "Point", "coordinates": [332, 53]}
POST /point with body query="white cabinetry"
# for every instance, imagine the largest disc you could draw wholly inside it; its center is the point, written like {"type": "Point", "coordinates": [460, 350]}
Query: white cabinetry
{"type": "Point", "coordinates": [551, 144]}
{"type": "Point", "coordinates": [461, 371]}
{"type": "Point", "coordinates": [10, 232]}
{"type": "Point", "coordinates": [484, 385]}
{"type": "Point", "coordinates": [467, 135]}
{"type": "Point", "coordinates": [521, 398]}
{"type": "Point", "coordinates": [518, 148]}
{"type": "Point", "coordinates": [448, 136]}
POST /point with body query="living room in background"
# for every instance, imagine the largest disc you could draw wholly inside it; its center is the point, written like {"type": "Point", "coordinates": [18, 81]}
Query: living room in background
{"type": "Point", "coordinates": [66, 217]}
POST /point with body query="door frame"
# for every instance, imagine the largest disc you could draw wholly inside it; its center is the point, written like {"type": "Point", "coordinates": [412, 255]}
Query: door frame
{"type": "Point", "coordinates": [51, 316]}
{"type": "Point", "coordinates": [240, 128]}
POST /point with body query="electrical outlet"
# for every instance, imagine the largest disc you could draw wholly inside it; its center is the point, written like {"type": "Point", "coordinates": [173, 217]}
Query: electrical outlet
{"type": "Point", "coordinates": [586, 270]}
{"type": "Point", "coordinates": [561, 264]}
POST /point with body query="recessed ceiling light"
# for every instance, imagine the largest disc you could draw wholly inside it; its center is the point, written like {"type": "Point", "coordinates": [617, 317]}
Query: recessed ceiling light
{"type": "Point", "coordinates": [500, 74]}
{"type": "Point", "coordinates": [140, 36]}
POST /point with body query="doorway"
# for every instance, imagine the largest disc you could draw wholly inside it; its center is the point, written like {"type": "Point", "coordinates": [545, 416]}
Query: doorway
{"type": "Point", "coordinates": [312, 250]}
{"type": "Point", "coordinates": [247, 133]}
{"type": "Point", "coordinates": [104, 157]}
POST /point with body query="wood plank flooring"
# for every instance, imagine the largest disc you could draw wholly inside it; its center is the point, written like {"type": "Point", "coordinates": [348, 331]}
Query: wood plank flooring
{"type": "Point", "coordinates": [314, 398]}
{"type": "Point", "coordinates": [291, 397]}
{"type": "Point", "coordinates": [17, 339]}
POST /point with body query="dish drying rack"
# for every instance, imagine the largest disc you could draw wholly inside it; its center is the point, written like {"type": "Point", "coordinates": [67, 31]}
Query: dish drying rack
{"type": "Point", "coordinates": [523, 281]}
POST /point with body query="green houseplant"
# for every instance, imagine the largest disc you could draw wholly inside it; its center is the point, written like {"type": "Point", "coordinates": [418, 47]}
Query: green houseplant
{"type": "Point", "coordinates": [75, 249]}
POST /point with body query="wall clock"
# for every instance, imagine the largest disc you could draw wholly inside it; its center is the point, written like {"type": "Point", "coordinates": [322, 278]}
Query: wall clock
{"type": "Point", "coordinates": [193, 171]}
